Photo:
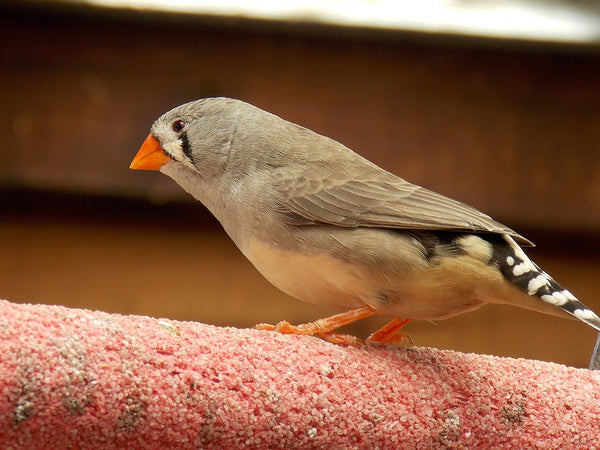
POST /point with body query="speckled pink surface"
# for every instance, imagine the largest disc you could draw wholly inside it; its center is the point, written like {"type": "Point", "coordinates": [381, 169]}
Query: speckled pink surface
{"type": "Point", "coordinates": [80, 379]}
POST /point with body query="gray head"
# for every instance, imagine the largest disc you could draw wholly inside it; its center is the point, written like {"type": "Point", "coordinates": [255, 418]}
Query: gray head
{"type": "Point", "coordinates": [199, 134]}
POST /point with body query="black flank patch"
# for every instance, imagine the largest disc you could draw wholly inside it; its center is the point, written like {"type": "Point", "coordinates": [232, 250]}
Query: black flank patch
{"type": "Point", "coordinates": [439, 243]}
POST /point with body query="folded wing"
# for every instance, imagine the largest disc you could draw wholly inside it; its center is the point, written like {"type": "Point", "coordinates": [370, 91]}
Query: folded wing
{"type": "Point", "coordinates": [379, 200]}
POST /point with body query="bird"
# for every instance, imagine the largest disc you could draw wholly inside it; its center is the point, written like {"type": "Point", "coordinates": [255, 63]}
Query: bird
{"type": "Point", "coordinates": [327, 226]}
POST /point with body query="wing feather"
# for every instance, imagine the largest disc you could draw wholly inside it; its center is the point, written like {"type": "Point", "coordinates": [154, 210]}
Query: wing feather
{"type": "Point", "coordinates": [379, 199]}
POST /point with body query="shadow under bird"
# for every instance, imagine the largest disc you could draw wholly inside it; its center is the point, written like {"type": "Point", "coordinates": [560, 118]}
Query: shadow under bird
{"type": "Point", "coordinates": [327, 226]}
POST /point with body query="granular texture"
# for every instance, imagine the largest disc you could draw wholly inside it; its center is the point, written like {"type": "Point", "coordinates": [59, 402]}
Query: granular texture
{"type": "Point", "coordinates": [73, 378]}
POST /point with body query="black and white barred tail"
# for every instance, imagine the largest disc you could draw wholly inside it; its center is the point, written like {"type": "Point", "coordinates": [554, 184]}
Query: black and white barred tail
{"type": "Point", "coordinates": [517, 268]}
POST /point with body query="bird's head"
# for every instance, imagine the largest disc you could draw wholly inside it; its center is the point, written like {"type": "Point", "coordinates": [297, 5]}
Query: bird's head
{"type": "Point", "coordinates": [195, 136]}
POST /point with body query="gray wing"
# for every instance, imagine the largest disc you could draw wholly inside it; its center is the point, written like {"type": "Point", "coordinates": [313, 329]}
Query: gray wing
{"type": "Point", "coordinates": [380, 200]}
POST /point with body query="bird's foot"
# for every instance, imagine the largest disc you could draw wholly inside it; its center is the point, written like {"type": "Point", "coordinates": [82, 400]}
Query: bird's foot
{"type": "Point", "coordinates": [282, 327]}
{"type": "Point", "coordinates": [307, 330]}
{"type": "Point", "coordinates": [390, 333]}
{"type": "Point", "coordinates": [342, 339]}
{"type": "Point", "coordinates": [323, 327]}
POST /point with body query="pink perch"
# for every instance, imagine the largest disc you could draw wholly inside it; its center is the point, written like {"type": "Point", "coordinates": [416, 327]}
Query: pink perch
{"type": "Point", "coordinates": [72, 378]}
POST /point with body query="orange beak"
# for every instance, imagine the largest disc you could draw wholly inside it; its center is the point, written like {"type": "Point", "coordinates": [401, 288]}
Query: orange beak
{"type": "Point", "coordinates": [150, 156]}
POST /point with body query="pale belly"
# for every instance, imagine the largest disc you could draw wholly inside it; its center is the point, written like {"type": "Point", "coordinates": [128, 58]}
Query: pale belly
{"type": "Point", "coordinates": [315, 279]}
{"type": "Point", "coordinates": [427, 292]}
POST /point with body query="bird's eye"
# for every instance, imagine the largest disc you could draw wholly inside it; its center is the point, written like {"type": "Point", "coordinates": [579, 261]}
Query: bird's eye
{"type": "Point", "coordinates": [178, 125]}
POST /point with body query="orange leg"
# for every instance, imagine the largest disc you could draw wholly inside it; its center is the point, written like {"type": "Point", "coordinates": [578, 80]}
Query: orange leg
{"type": "Point", "coordinates": [324, 327]}
{"type": "Point", "coordinates": [389, 334]}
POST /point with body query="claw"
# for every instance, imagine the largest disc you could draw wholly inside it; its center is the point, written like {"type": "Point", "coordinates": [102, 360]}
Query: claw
{"type": "Point", "coordinates": [264, 326]}
{"type": "Point", "coordinates": [342, 339]}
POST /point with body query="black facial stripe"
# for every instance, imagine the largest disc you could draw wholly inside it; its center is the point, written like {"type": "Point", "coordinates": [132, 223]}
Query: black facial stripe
{"type": "Point", "coordinates": [186, 147]}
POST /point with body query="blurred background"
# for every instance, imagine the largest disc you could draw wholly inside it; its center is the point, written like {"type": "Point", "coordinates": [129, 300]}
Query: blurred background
{"type": "Point", "coordinates": [494, 103]}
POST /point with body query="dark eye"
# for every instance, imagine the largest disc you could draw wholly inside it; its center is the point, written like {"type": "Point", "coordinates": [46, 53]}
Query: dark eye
{"type": "Point", "coordinates": [178, 125]}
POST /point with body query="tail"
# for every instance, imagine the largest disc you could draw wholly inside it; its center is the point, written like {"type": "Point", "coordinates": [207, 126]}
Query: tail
{"type": "Point", "coordinates": [517, 268]}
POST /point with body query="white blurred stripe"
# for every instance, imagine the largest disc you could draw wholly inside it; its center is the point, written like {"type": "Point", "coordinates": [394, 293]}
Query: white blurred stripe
{"type": "Point", "coordinates": [531, 20]}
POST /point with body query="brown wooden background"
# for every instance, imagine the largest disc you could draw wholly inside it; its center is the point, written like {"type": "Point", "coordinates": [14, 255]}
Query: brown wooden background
{"type": "Point", "coordinates": [510, 128]}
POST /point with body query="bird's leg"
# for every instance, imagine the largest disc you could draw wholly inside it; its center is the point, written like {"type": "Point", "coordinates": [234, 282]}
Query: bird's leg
{"type": "Point", "coordinates": [324, 327]}
{"type": "Point", "coordinates": [389, 334]}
